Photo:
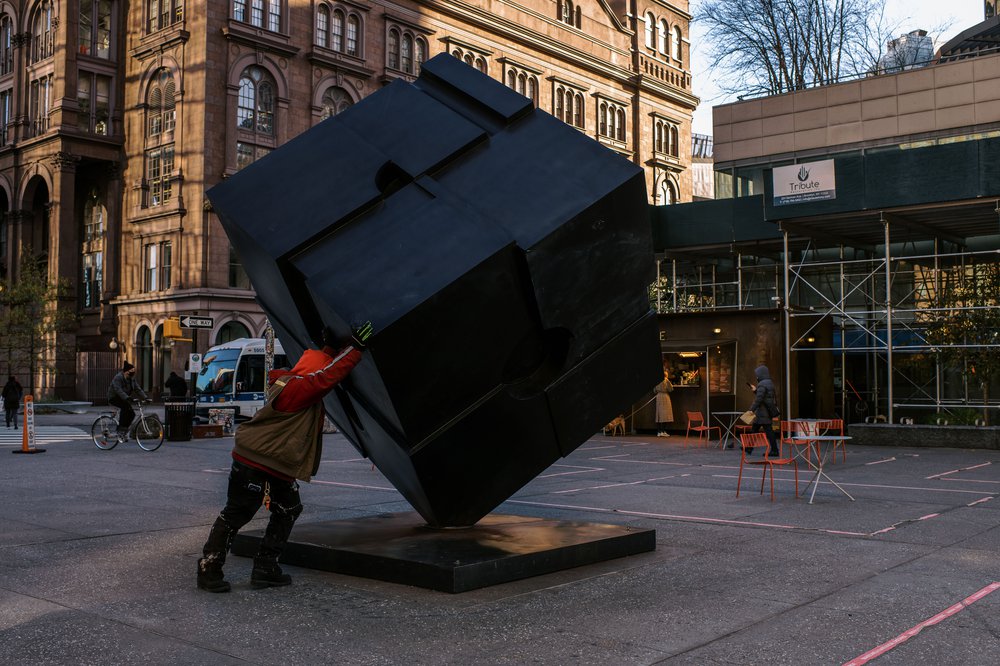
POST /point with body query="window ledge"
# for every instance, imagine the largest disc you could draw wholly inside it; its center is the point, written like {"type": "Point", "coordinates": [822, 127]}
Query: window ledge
{"type": "Point", "coordinates": [155, 42]}
{"type": "Point", "coordinates": [338, 60]}
{"type": "Point", "coordinates": [244, 33]}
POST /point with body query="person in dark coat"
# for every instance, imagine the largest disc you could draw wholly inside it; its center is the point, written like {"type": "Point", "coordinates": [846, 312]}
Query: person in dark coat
{"type": "Point", "coordinates": [176, 385]}
{"type": "Point", "coordinates": [122, 391]}
{"type": "Point", "coordinates": [12, 393]}
{"type": "Point", "coordinates": [765, 409]}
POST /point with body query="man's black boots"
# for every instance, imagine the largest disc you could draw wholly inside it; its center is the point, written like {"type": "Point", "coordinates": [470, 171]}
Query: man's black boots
{"type": "Point", "coordinates": [267, 573]}
{"type": "Point", "coordinates": [210, 576]}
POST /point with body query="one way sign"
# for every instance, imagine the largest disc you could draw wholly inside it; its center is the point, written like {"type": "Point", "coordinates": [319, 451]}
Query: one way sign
{"type": "Point", "coordinates": [188, 321]}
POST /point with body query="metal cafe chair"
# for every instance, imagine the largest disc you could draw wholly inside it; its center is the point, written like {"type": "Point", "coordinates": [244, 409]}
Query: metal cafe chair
{"type": "Point", "coordinates": [696, 417]}
{"type": "Point", "coordinates": [751, 441]}
{"type": "Point", "coordinates": [836, 427]}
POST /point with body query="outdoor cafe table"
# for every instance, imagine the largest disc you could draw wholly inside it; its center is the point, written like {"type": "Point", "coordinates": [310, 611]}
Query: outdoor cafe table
{"type": "Point", "coordinates": [824, 444]}
{"type": "Point", "coordinates": [728, 421]}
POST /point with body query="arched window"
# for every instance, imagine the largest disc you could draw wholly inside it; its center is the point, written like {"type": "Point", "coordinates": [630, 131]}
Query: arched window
{"type": "Point", "coordinates": [42, 32]}
{"type": "Point", "coordinates": [676, 43]}
{"type": "Point", "coordinates": [406, 53]}
{"type": "Point", "coordinates": [566, 12]}
{"type": "Point", "coordinates": [468, 60]}
{"type": "Point", "coordinates": [522, 83]}
{"type": "Point", "coordinates": [337, 31]}
{"type": "Point", "coordinates": [603, 115]}
{"type": "Point", "coordinates": [144, 358]}
{"type": "Point", "coordinates": [421, 57]}
{"type": "Point", "coordinates": [323, 26]}
{"type": "Point", "coordinates": [658, 137]}
{"type": "Point", "coordinates": [481, 64]}
{"type": "Point", "coordinates": [231, 330]}
{"type": "Point", "coordinates": [674, 141]}
{"type": "Point", "coordinates": [335, 100]}
{"type": "Point", "coordinates": [667, 193]}
{"type": "Point", "coordinates": [92, 251]}
{"type": "Point", "coordinates": [558, 110]}
{"type": "Point", "coordinates": [578, 110]}
{"type": "Point", "coordinates": [160, 111]}
{"type": "Point", "coordinates": [531, 92]}
{"type": "Point", "coordinates": [650, 22]}
{"type": "Point", "coordinates": [663, 34]}
{"type": "Point", "coordinates": [255, 109]}
{"type": "Point", "coordinates": [620, 124]}
{"type": "Point", "coordinates": [393, 49]}
{"type": "Point", "coordinates": [353, 30]}
{"type": "Point", "coordinates": [6, 46]}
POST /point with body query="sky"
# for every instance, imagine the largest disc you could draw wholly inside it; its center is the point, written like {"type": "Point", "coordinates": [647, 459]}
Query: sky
{"type": "Point", "coordinates": [913, 15]}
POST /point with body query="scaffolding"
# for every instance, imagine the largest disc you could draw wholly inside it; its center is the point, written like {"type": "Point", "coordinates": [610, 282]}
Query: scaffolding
{"type": "Point", "coordinates": [892, 301]}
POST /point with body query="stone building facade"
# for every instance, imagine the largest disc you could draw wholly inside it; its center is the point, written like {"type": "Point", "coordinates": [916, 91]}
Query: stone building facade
{"type": "Point", "coordinates": [117, 117]}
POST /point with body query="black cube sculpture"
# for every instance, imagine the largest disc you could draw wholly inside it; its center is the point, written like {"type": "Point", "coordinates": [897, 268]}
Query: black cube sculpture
{"type": "Point", "coordinates": [502, 256]}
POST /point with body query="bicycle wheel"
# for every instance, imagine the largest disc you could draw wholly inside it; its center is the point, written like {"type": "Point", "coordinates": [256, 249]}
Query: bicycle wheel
{"type": "Point", "coordinates": [105, 433]}
{"type": "Point", "coordinates": [149, 433]}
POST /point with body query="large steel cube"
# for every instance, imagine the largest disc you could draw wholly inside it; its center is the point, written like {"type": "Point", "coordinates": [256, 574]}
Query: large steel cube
{"type": "Point", "coordinates": [502, 256]}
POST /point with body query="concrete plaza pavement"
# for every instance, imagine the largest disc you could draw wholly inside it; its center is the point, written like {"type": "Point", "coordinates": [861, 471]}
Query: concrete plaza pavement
{"type": "Point", "coordinates": [99, 548]}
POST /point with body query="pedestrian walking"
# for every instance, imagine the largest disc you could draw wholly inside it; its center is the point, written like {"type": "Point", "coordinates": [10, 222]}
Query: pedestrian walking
{"type": "Point", "coordinates": [765, 409]}
{"type": "Point", "coordinates": [664, 405]}
{"type": "Point", "coordinates": [12, 393]}
{"type": "Point", "coordinates": [176, 385]}
{"type": "Point", "coordinates": [280, 445]}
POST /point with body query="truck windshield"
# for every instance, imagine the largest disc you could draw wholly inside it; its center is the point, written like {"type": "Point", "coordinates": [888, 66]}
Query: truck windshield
{"type": "Point", "coordinates": [217, 371]}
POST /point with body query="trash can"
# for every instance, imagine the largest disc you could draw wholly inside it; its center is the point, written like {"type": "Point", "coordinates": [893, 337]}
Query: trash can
{"type": "Point", "coordinates": [178, 415]}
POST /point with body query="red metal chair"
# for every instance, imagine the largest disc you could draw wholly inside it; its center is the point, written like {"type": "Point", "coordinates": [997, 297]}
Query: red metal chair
{"type": "Point", "coordinates": [696, 417]}
{"type": "Point", "coordinates": [754, 440]}
{"type": "Point", "coordinates": [787, 431]}
{"type": "Point", "coordinates": [836, 427]}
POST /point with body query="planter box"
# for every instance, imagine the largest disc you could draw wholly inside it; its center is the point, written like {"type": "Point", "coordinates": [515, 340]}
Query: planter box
{"type": "Point", "coordinates": [951, 436]}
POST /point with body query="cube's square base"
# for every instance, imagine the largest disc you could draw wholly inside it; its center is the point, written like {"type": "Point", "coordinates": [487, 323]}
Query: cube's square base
{"type": "Point", "coordinates": [400, 548]}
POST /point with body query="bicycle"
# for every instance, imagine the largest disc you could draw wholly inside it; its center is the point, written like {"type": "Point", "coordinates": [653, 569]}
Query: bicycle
{"type": "Point", "coordinates": [147, 430]}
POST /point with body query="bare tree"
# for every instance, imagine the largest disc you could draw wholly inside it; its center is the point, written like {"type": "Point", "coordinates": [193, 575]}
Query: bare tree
{"type": "Point", "coordinates": [767, 47]}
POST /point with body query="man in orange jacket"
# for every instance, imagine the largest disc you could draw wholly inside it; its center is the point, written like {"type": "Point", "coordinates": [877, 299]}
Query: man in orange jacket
{"type": "Point", "coordinates": [281, 444]}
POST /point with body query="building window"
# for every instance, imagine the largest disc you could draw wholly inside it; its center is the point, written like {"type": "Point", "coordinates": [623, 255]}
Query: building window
{"type": "Point", "coordinates": [160, 105]}
{"type": "Point", "coordinates": [39, 103]}
{"type": "Point", "coordinates": [6, 105]}
{"type": "Point", "coordinates": [393, 50]}
{"type": "Point", "coordinates": [95, 28]}
{"type": "Point", "coordinates": [665, 138]}
{"type": "Point", "coordinates": [650, 22]}
{"type": "Point", "coordinates": [42, 32]}
{"type": "Point", "coordinates": [353, 30]}
{"type": "Point", "coordinates": [159, 172]}
{"type": "Point", "coordinates": [323, 26]}
{"type": "Point", "coordinates": [337, 43]}
{"type": "Point", "coordinates": [663, 34]}
{"type": "Point", "coordinates": [566, 14]}
{"type": "Point", "coordinates": [263, 13]}
{"type": "Point", "coordinates": [93, 97]}
{"type": "Point", "coordinates": [162, 14]}
{"type": "Point", "coordinates": [611, 121]}
{"type": "Point", "coordinates": [667, 192]}
{"type": "Point", "coordinates": [421, 55]}
{"type": "Point", "coordinates": [335, 100]}
{"type": "Point", "coordinates": [237, 276]}
{"type": "Point", "coordinates": [232, 330]}
{"type": "Point", "coordinates": [568, 106]}
{"type": "Point", "coordinates": [156, 264]}
{"type": "Point", "coordinates": [6, 45]}
{"type": "Point", "coordinates": [524, 83]}
{"type": "Point", "coordinates": [255, 109]}
{"type": "Point", "coordinates": [406, 53]}
{"type": "Point", "coordinates": [676, 43]}
{"type": "Point", "coordinates": [92, 251]}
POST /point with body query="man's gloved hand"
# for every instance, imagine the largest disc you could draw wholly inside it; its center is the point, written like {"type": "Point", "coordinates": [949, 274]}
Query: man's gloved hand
{"type": "Point", "coordinates": [361, 334]}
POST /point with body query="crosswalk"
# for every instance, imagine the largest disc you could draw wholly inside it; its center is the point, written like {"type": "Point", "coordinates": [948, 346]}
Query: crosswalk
{"type": "Point", "coordinates": [10, 438]}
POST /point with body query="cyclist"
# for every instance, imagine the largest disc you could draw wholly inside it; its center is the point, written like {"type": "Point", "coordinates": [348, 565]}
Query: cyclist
{"type": "Point", "coordinates": [281, 443]}
{"type": "Point", "coordinates": [120, 394]}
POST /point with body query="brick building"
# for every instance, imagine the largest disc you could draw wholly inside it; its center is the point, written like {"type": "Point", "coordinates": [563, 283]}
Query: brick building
{"type": "Point", "coordinates": [116, 118]}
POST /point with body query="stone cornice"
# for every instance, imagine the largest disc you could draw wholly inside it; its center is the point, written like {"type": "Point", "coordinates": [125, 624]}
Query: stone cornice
{"type": "Point", "coordinates": [160, 41]}
{"type": "Point", "coordinates": [340, 62]}
{"type": "Point", "coordinates": [242, 33]}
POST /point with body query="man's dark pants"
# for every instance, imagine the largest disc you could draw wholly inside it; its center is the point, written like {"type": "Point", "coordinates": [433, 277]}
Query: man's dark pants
{"type": "Point", "coordinates": [246, 493]}
{"type": "Point", "coordinates": [127, 414]}
{"type": "Point", "coordinates": [772, 437]}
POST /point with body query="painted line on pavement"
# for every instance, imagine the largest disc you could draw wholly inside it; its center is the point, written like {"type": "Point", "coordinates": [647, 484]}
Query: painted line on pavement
{"type": "Point", "coordinates": [353, 485]}
{"type": "Point", "coordinates": [970, 481]}
{"type": "Point", "coordinates": [956, 471]}
{"type": "Point", "coordinates": [980, 501]}
{"type": "Point", "coordinates": [595, 448]}
{"type": "Point", "coordinates": [642, 462]}
{"type": "Point", "coordinates": [913, 631]}
{"type": "Point", "coordinates": [872, 485]}
{"type": "Point", "coordinates": [613, 485]}
{"type": "Point", "coordinates": [689, 519]}
{"type": "Point", "coordinates": [879, 462]}
{"type": "Point", "coordinates": [579, 470]}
